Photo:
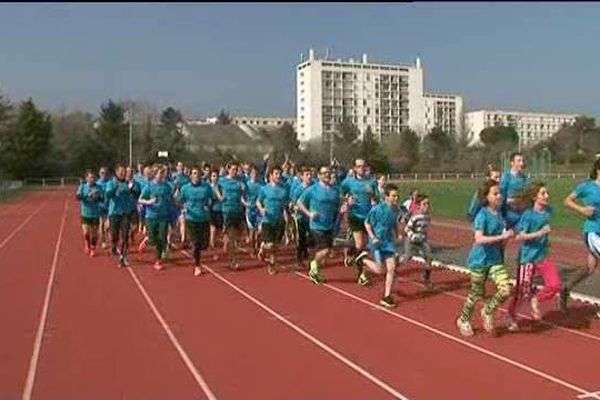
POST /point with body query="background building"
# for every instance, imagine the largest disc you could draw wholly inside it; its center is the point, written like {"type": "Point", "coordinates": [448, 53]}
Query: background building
{"type": "Point", "coordinates": [444, 111]}
{"type": "Point", "coordinates": [387, 98]}
{"type": "Point", "coordinates": [532, 127]}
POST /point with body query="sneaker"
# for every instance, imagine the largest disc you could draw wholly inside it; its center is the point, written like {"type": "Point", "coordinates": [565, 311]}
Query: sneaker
{"type": "Point", "coordinates": [535, 309]}
{"type": "Point", "coordinates": [233, 264]}
{"type": "Point", "coordinates": [158, 266]}
{"type": "Point", "coordinates": [123, 262]}
{"type": "Point", "coordinates": [315, 276]}
{"type": "Point", "coordinates": [271, 269]}
{"type": "Point", "coordinates": [511, 324]}
{"type": "Point", "coordinates": [197, 271]}
{"type": "Point", "coordinates": [113, 252]}
{"type": "Point", "coordinates": [488, 321]}
{"type": "Point", "coordinates": [104, 245]}
{"type": "Point", "coordinates": [464, 327]}
{"type": "Point", "coordinates": [363, 279]}
{"type": "Point", "coordinates": [563, 300]}
{"type": "Point", "coordinates": [361, 256]}
{"type": "Point", "coordinates": [349, 261]}
{"type": "Point", "coordinates": [92, 253]}
{"type": "Point", "coordinates": [387, 301]}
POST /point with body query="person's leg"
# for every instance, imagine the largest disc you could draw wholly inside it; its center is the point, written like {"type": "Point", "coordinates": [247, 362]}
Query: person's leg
{"type": "Point", "coordinates": [478, 278]}
{"type": "Point", "coordinates": [501, 278]}
{"type": "Point", "coordinates": [115, 231]}
{"type": "Point", "coordinates": [323, 242]}
{"type": "Point", "coordinates": [85, 228]}
{"type": "Point", "coordinates": [163, 227]}
{"type": "Point", "coordinates": [549, 274]}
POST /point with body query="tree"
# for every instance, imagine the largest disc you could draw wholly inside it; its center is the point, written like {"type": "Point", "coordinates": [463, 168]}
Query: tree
{"type": "Point", "coordinates": [113, 134]}
{"type": "Point", "coordinates": [223, 118]}
{"type": "Point", "coordinates": [574, 141]}
{"type": "Point", "coordinates": [499, 136]}
{"type": "Point", "coordinates": [371, 151]}
{"type": "Point", "coordinates": [285, 141]}
{"type": "Point", "coordinates": [170, 133]}
{"type": "Point", "coordinates": [403, 150]}
{"type": "Point", "coordinates": [344, 141]}
{"type": "Point", "coordinates": [25, 147]}
{"type": "Point", "coordinates": [439, 147]}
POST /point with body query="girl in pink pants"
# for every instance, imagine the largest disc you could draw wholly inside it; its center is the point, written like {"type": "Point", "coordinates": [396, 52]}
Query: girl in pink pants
{"type": "Point", "coordinates": [533, 230]}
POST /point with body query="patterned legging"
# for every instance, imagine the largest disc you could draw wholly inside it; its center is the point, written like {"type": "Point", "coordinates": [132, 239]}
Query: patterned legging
{"type": "Point", "coordinates": [500, 276]}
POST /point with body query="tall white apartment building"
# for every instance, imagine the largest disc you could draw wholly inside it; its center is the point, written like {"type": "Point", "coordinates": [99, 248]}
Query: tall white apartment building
{"type": "Point", "coordinates": [444, 111]}
{"type": "Point", "coordinates": [388, 98]}
{"type": "Point", "coordinates": [532, 127]}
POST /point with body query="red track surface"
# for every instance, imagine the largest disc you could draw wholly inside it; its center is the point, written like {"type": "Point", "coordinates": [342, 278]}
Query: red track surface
{"type": "Point", "coordinates": [140, 334]}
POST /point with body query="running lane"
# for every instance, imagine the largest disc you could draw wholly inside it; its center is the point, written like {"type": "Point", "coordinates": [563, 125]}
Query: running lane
{"type": "Point", "coordinates": [244, 352]}
{"type": "Point", "coordinates": [24, 269]}
{"type": "Point", "coordinates": [101, 340]}
{"type": "Point", "coordinates": [18, 214]}
{"type": "Point", "coordinates": [399, 353]}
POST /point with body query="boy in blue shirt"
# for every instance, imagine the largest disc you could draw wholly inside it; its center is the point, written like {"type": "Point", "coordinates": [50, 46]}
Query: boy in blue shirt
{"type": "Point", "coordinates": [320, 203]}
{"type": "Point", "coordinates": [272, 202]}
{"type": "Point", "coordinates": [512, 185]}
{"type": "Point", "coordinates": [91, 197]}
{"type": "Point", "coordinates": [196, 197]}
{"type": "Point", "coordinates": [383, 227]}
{"type": "Point", "coordinates": [485, 260]}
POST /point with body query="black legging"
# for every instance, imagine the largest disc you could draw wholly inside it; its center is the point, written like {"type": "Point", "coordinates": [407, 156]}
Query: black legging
{"type": "Point", "coordinates": [119, 228]}
{"type": "Point", "coordinates": [303, 240]}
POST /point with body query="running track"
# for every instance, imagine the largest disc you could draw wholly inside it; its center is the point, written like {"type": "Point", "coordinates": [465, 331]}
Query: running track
{"type": "Point", "coordinates": [76, 328]}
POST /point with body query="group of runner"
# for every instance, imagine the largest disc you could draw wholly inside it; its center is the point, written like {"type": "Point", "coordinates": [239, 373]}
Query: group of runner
{"type": "Point", "coordinates": [308, 206]}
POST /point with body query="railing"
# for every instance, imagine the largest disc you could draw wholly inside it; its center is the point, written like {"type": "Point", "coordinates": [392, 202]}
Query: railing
{"type": "Point", "coordinates": [53, 181]}
{"type": "Point", "coordinates": [7, 187]}
{"type": "Point", "coordinates": [449, 176]}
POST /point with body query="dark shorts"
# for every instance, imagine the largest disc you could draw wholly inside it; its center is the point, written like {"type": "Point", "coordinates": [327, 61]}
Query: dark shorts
{"type": "Point", "coordinates": [356, 224]}
{"type": "Point", "coordinates": [90, 221]}
{"type": "Point", "coordinates": [134, 218]}
{"type": "Point", "coordinates": [322, 239]}
{"type": "Point", "coordinates": [273, 232]}
{"type": "Point", "coordinates": [198, 232]}
{"type": "Point", "coordinates": [233, 220]}
{"type": "Point", "coordinates": [216, 219]}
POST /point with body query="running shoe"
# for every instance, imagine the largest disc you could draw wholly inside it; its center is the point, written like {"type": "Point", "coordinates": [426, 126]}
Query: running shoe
{"type": "Point", "coordinates": [488, 321]}
{"type": "Point", "coordinates": [315, 276]}
{"type": "Point", "coordinates": [535, 309]}
{"type": "Point", "coordinates": [563, 299]}
{"type": "Point", "coordinates": [92, 253]}
{"type": "Point", "coordinates": [158, 266]}
{"type": "Point", "coordinates": [113, 251]}
{"type": "Point", "coordinates": [271, 269]}
{"type": "Point", "coordinates": [464, 327]}
{"type": "Point", "coordinates": [363, 279]}
{"type": "Point", "coordinates": [387, 301]}
{"type": "Point", "coordinates": [197, 271]}
{"type": "Point", "coordinates": [511, 324]}
{"type": "Point", "coordinates": [360, 257]}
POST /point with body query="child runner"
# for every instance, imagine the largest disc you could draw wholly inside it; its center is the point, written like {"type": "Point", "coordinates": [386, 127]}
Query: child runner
{"type": "Point", "coordinates": [216, 214]}
{"type": "Point", "coordinates": [122, 195]}
{"type": "Point", "coordinates": [272, 202]}
{"type": "Point", "coordinates": [91, 198]}
{"type": "Point", "coordinates": [180, 179]}
{"type": "Point", "coordinates": [196, 198]}
{"type": "Point", "coordinates": [493, 174]}
{"type": "Point", "coordinates": [416, 242]}
{"type": "Point", "coordinates": [485, 260]}
{"type": "Point", "coordinates": [102, 181]}
{"type": "Point", "coordinates": [253, 218]}
{"type": "Point", "coordinates": [532, 230]}
{"type": "Point", "coordinates": [383, 227]}
{"type": "Point", "coordinates": [320, 203]}
{"type": "Point", "coordinates": [585, 200]}
{"type": "Point", "coordinates": [158, 197]}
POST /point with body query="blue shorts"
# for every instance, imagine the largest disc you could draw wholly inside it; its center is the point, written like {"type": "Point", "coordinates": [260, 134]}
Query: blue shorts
{"type": "Point", "coordinates": [383, 251]}
{"type": "Point", "coordinates": [253, 218]}
{"type": "Point", "coordinates": [592, 243]}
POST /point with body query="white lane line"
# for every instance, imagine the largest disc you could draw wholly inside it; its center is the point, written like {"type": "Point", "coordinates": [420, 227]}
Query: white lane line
{"type": "Point", "coordinates": [308, 336]}
{"type": "Point", "coordinates": [22, 225]}
{"type": "Point", "coordinates": [438, 332]}
{"type": "Point", "coordinates": [37, 345]}
{"type": "Point", "coordinates": [182, 353]}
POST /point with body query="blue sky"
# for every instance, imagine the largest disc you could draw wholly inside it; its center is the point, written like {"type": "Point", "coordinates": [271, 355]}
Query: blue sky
{"type": "Point", "coordinates": [202, 57]}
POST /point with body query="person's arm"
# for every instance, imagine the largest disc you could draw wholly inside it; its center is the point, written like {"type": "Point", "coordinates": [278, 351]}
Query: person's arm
{"type": "Point", "coordinates": [480, 238]}
{"type": "Point", "coordinates": [145, 197]}
{"type": "Point", "coordinates": [111, 188]}
{"type": "Point", "coordinates": [259, 202]}
{"type": "Point", "coordinates": [571, 203]}
{"type": "Point", "coordinates": [369, 229]}
{"type": "Point", "coordinates": [303, 204]}
{"type": "Point", "coordinates": [523, 236]}
{"type": "Point", "coordinates": [79, 194]}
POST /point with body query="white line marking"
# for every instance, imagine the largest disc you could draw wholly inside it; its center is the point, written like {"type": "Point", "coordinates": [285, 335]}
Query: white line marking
{"type": "Point", "coordinates": [592, 395]}
{"type": "Point", "coordinates": [22, 225]}
{"type": "Point", "coordinates": [457, 340]}
{"type": "Point", "coordinates": [37, 345]}
{"type": "Point", "coordinates": [186, 359]}
{"type": "Point", "coordinates": [308, 336]}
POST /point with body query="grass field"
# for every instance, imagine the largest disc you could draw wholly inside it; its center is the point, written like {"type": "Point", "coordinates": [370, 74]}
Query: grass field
{"type": "Point", "coordinates": [451, 198]}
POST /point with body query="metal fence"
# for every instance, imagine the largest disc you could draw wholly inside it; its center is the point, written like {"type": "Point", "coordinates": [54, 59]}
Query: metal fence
{"type": "Point", "coordinates": [449, 176]}
{"type": "Point", "coordinates": [8, 187]}
{"type": "Point", "coordinates": [53, 181]}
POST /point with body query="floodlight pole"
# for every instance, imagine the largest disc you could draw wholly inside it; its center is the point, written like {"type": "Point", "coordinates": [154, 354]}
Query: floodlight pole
{"type": "Point", "coordinates": [131, 134]}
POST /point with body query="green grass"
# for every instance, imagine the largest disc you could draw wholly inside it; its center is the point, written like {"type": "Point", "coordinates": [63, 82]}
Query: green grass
{"type": "Point", "coordinates": [451, 198]}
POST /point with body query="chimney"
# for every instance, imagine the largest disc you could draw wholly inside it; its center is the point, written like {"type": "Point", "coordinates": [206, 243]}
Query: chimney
{"type": "Point", "coordinates": [311, 54]}
{"type": "Point", "coordinates": [364, 58]}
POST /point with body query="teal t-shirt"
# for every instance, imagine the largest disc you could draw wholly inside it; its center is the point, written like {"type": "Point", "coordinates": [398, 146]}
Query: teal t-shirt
{"type": "Point", "coordinates": [122, 199]}
{"type": "Point", "coordinates": [382, 219]}
{"type": "Point", "coordinates": [588, 193]}
{"type": "Point", "coordinates": [325, 201]}
{"type": "Point", "coordinates": [364, 191]}
{"type": "Point", "coordinates": [274, 199]}
{"type": "Point", "coordinates": [535, 250]}
{"type": "Point", "coordinates": [91, 200]}
{"type": "Point", "coordinates": [232, 191]}
{"type": "Point", "coordinates": [197, 200]}
{"type": "Point", "coordinates": [162, 209]}
{"type": "Point", "coordinates": [487, 255]}
{"type": "Point", "coordinates": [253, 191]}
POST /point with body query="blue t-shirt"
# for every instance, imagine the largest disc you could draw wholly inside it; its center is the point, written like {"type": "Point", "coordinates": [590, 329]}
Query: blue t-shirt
{"type": "Point", "coordinates": [180, 180]}
{"type": "Point", "coordinates": [382, 219]}
{"type": "Point", "coordinates": [323, 200]}
{"type": "Point", "coordinates": [102, 182]}
{"type": "Point", "coordinates": [511, 186]}
{"type": "Point", "coordinates": [363, 191]}
{"type": "Point", "coordinates": [487, 255]}
{"type": "Point", "coordinates": [196, 200]}
{"type": "Point", "coordinates": [274, 199]}
{"type": "Point", "coordinates": [253, 191]}
{"type": "Point", "coordinates": [91, 198]}
{"type": "Point", "coordinates": [122, 199]}
{"type": "Point", "coordinates": [588, 192]}
{"type": "Point", "coordinates": [217, 205]}
{"type": "Point", "coordinates": [163, 207]}
{"type": "Point", "coordinates": [295, 194]}
{"type": "Point", "coordinates": [535, 250]}
{"type": "Point", "coordinates": [232, 191]}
